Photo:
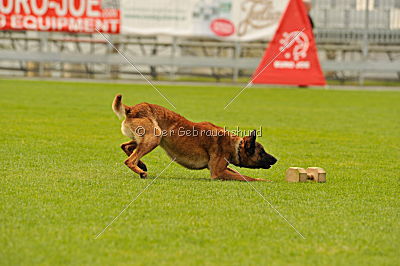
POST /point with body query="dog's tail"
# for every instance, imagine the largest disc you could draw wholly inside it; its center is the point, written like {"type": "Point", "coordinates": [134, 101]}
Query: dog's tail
{"type": "Point", "coordinates": [118, 107]}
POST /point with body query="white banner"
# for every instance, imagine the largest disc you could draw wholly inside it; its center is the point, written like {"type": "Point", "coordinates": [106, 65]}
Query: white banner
{"type": "Point", "coordinates": [233, 20]}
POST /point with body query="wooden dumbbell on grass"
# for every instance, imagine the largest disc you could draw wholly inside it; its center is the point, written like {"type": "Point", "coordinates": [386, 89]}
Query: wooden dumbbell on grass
{"type": "Point", "coordinates": [298, 174]}
{"type": "Point", "coordinates": [316, 174]}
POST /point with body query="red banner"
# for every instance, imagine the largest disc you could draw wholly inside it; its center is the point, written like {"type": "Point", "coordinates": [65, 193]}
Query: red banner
{"type": "Point", "coordinates": [291, 58]}
{"type": "Point", "coordinates": [83, 16]}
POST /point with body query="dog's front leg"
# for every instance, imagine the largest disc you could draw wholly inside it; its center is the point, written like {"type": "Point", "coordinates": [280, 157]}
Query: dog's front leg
{"type": "Point", "coordinates": [247, 178]}
{"type": "Point", "coordinates": [219, 170]}
{"type": "Point", "coordinates": [230, 174]}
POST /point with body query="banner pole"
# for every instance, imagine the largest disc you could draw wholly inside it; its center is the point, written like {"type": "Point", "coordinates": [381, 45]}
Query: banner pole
{"type": "Point", "coordinates": [236, 56]}
{"type": "Point", "coordinates": [365, 48]}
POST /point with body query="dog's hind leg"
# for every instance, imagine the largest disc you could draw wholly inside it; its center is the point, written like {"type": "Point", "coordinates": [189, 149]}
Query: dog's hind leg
{"type": "Point", "coordinates": [128, 148]}
{"type": "Point", "coordinates": [146, 142]}
{"type": "Point", "coordinates": [141, 150]}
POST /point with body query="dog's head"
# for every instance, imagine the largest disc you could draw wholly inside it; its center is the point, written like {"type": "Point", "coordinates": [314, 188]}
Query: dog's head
{"type": "Point", "coordinates": [252, 154]}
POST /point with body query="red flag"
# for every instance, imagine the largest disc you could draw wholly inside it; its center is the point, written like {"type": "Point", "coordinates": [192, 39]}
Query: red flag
{"type": "Point", "coordinates": [291, 58]}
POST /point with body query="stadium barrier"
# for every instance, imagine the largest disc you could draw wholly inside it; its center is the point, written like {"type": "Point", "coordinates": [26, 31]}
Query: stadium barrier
{"type": "Point", "coordinates": [355, 38]}
{"type": "Point", "coordinates": [179, 55]}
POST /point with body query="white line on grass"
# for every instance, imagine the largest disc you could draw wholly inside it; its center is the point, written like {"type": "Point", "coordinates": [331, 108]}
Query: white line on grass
{"type": "Point", "coordinates": [137, 196]}
{"type": "Point", "coordinates": [251, 81]}
{"type": "Point", "coordinates": [272, 206]}
{"type": "Point", "coordinates": [129, 61]}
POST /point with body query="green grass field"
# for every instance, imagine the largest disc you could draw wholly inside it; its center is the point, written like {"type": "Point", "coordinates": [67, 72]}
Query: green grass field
{"type": "Point", "coordinates": [63, 180]}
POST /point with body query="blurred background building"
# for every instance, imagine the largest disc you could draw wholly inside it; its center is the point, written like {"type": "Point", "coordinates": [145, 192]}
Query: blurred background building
{"type": "Point", "coordinates": [357, 40]}
{"type": "Point", "coordinates": [345, 14]}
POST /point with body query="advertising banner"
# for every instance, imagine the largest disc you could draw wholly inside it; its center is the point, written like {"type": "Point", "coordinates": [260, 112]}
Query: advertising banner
{"type": "Point", "coordinates": [82, 16]}
{"type": "Point", "coordinates": [291, 57]}
{"type": "Point", "coordinates": [233, 20]}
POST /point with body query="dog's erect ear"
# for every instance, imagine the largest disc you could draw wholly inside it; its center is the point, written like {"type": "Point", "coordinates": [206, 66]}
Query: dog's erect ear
{"type": "Point", "coordinates": [250, 142]}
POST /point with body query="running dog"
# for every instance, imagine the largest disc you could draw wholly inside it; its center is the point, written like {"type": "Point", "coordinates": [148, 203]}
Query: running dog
{"type": "Point", "coordinates": [192, 145]}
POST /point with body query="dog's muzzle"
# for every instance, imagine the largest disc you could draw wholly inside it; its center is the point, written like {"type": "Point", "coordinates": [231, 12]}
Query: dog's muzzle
{"type": "Point", "coordinates": [270, 162]}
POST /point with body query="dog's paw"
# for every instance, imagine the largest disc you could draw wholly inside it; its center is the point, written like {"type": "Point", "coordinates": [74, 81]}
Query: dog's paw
{"type": "Point", "coordinates": [143, 175]}
{"type": "Point", "coordinates": [142, 166]}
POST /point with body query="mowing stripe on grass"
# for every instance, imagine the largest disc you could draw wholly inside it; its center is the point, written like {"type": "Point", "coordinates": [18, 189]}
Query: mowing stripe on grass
{"type": "Point", "coordinates": [137, 196]}
{"type": "Point", "coordinates": [272, 206]}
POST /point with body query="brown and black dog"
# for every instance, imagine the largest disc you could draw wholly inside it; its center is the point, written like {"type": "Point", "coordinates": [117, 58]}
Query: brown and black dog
{"type": "Point", "coordinates": [193, 145]}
